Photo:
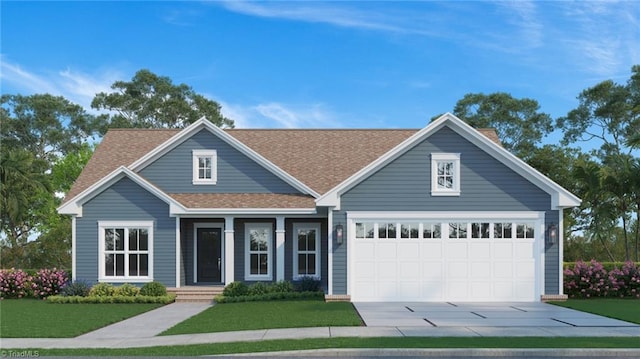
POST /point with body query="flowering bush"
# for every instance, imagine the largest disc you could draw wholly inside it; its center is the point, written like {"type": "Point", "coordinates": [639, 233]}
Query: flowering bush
{"type": "Point", "coordinates": [586, 280]}
{"type": "Point", "coordinates": [591, 279]}
{"type": "Point", "coordinates": [625, 281]}
{"type": "Point", "coordinates": [14, 283]}
{"type": "Point", "coordinates": [48, 282]}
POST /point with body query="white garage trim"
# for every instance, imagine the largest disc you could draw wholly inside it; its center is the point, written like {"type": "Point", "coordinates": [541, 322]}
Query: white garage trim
{"type": "Point", "coordinates": [447, 253]}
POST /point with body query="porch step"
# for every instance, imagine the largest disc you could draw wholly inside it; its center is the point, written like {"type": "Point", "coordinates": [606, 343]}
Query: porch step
{"type": "Point", "coordinates": [196, 293]}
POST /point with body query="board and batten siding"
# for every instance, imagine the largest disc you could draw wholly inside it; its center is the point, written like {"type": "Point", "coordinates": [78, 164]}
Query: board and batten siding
{"type": "Point", "coordinates": [405, 185]}
{"type": "Point", "coordinates": [126, 201]}
{"type": "Point", "coordinates": [236, 173]}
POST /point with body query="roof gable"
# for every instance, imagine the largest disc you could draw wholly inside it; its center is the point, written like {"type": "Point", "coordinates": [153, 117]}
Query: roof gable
{"type": "Point", "coordinates": [560, 196]}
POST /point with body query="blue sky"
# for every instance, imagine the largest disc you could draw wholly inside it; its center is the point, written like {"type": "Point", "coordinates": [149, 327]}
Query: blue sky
{"type": "Point", "coordinates": [324, 64]}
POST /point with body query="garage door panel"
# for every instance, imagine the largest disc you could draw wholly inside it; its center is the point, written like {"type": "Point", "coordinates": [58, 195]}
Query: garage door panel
{"type": "Point", "coordinates": [432, 291]}
{"type": "Point", "coordinates": [409, 250]}
{"type": "Point", "coordinates": [503, 290]}
{"type": "Point", "coordinates": [387, 250]}
{"type": "Point", "coordinates": [364, 270]}
{"type": "Point", "coordinates": [432, 270]}
{"type": "Point", "coordinates": [503, 270]}
{"type": "Point", "coordinates": [502, 249]}
{"type": "Point", "coordinates": [457, 269]}
{"type": "Point", "coordinates": [387, 270]}
{"type": "Point", "coordinates": [456, 250]}
{"type": "Point", "coordinates": [480, 290]}
{"type": "Point", "coordinates": [481, 250]}
{"type": "Point", "coordinates": [523, 250]}
{"type": "Point", "coordinates": [457, 290]}
{"type": "Point", "coordinates": [431, 250]}
{"type": "Point", "coordinates": [409, 290]}
{"type": "Point", "coordinates": [365, 249]}
{"type": "Point", "coordinates": [480, 270]}
{"type": "Point", "coordinates": [409, 270]}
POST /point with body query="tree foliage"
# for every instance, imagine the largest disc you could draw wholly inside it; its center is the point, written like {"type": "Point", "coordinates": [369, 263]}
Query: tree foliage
{"type": "Point", "coordinates": [519, 123]}
{"type": "Point", "coordinates": [152, 101]}
{"type": "Point", "coordinates": [608, 114]}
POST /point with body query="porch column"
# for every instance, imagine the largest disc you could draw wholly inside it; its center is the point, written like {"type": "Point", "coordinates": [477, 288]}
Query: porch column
{"type": "Point", "coordinates": [178, 252]}
{"type": "Point", "coordinates": [280, 248]}
{"type": "Point", "coordinates": [229, 239]}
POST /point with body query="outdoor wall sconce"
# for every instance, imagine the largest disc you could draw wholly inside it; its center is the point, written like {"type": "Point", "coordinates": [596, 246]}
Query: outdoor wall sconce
{"type": "Point", "coordinates": [552, 234]}
{"type": "Point", "coordinates": [339, 234]}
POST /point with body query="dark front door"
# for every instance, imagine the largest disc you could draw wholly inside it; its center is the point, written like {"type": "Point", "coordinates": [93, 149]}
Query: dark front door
{"type": "Point", "coordinates": [209, 255]}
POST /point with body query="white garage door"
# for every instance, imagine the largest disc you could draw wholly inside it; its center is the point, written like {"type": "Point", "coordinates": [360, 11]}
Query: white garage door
{"type": "Point", "coordinates": [434, 259]}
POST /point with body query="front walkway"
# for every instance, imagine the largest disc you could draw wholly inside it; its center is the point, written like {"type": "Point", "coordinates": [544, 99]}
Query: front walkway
{"type": "Point", "coordinates": [142, 330]}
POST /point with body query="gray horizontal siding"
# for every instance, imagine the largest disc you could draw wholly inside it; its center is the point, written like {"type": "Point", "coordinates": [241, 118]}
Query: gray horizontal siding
{"type": "Point", "coordinates": [236, 172]}
{"type": "Point", "coordinates": [405, 184]}
{"type": "Point", "coordinates": [552, 258]}
{"type": "Point", "coordinates": [126, 201]}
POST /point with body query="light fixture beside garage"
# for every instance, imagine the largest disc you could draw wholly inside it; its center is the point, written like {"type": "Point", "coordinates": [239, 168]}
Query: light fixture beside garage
{"type": "Point", "coordinates": [339, 234]}
{"type": "Point", "coordinates": [552, 234]}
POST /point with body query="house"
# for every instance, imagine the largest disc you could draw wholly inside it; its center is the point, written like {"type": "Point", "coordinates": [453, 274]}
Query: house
{"type": "Point", "coordinates": [438, 214]}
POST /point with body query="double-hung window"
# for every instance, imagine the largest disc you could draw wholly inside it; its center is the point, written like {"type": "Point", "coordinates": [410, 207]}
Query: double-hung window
{"type": "Point", "coordinates": [126, 251]}
{"type": "Point", "coordinates": [205, 167]}
{"type": "Point", "coordinates": [258, 254]}
{"type": "Point", "coordinates": [445, 174]}
{"type": "Point", "coordinates": [306, 250]}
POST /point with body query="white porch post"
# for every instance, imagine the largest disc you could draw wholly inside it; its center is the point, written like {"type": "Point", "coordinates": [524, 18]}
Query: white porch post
{"type": "Point", "coordinates": [229, 260]}
{"type": "Point", "coordinates": [561, 251]}
{"type": "Point", "coordinates": [280, 247]}
{"type": "Point", "coordinates": [330, 254]}
{"type": "Point", "coordinates": [178, 251]}
{"type": "Point", "coordinates": [74, 269]}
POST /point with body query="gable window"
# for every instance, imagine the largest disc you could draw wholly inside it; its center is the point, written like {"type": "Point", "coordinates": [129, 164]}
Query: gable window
{"type": "Point", "coordinates": [125, 251]}
{"type": "Point", "coordinates": [258, 257]}
{"type": "Point", "coordinates": [445, 174]}
{"type": "Point", "coordinates": [306, 250]}
{"type": "Point", "coordinates": [205, 167]}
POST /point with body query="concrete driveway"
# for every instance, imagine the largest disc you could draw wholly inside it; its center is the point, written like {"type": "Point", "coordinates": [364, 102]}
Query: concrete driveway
{"type": "Point", "coordinates": [520, 314]}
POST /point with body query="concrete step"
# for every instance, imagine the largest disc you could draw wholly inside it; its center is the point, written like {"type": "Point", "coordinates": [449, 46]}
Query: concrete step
{"type": "Point", "coordinates": [196, 293]}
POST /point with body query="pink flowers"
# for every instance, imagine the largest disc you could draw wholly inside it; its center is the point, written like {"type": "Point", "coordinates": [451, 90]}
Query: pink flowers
{"type": "Point", "coordinates": [16, 283]}
{"type": "Point", "coordinates": [591, 279]}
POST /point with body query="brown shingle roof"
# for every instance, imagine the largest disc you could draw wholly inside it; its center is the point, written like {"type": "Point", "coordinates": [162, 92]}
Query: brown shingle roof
{"type": "Point", "coordinates": [334, 155]}
{"type": "Point", "coordinates": [244, 200]}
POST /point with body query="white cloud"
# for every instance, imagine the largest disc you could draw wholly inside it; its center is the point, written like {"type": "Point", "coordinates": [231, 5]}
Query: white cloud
{"type": "Point", "coordinates": [279, 115]}
{"type": "Point", "coordinates": [73, 85]}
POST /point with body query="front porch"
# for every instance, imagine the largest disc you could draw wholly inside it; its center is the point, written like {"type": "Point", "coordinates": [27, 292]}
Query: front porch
{"type": "Point", "coordinates": [216, 251]}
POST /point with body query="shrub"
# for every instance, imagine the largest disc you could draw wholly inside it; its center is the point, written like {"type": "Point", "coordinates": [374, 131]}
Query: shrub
{"type": "Point", "coordinates": [625, 281]}
{"type": "Point", "coordinates": [308, 284]}
{"type": "Point", "coordinates": [221, 299]}
{"type": "Point", "coordinates": [258, 288]}
{"type": "Point", "coordinates": [153, 289]}
{"type": "Point", "coordinates": [14, 283]}
{"type": "Point", "coordinates": [102, 290]}
{"type": "Point", "coordinates": [127, 290]}
{"type": "Point", "coordinates": [235, 289]}
{"type": "Point", "coordinates": [48, 282]}
{"type": "Point", "coordinates": [78, 288]}
{"type": "Point", "coordinates": [282, 286]}
{"type": "Point", "coordinates": [165, 299]}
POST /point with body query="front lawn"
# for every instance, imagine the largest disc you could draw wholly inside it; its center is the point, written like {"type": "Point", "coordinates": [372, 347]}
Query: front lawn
{"type": "Point", "coordinates": [623, 309]}
{"type": "Point", "coordinates": [267, 315]}
{"type": "Point", "coordinates": [32, 318]}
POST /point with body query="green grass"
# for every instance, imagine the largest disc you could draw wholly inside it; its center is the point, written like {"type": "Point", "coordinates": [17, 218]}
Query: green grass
{"type": "Point", "coordinates": [336, 343]}
{"type": "Point", "coordinates": [267, 315]}
{"type": "Point", "coordinates": [623, 309]}
{"type": "Point", "coordinates": [31, 318]}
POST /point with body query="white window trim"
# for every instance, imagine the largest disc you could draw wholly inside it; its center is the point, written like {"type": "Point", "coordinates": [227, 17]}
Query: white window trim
{"type": "Point", "coordinates": [102, 277]}
{"type": "Point", "coordinates": [296, 228]}
{"type": "Point", "coordinates": [445, 157]}
{"type": "Point", "coordinates": [247, 252]}
{"type": "Point", "coordinates": [197, 154]}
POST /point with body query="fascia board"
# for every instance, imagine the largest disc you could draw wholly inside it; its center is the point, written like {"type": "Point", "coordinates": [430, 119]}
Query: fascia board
{"type": "Point", "coordinates": [203, 123]}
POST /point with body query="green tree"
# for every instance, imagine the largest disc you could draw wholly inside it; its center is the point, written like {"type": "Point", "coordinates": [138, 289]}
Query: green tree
{"type": "Point", "coordinates": [152, 101]}
{"type": "Point", "coordinates": [36, 133]}
{"type": "Point", "coordinates": [609, 113]}
{"type": "Point", "coordinates": [519, 123]}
